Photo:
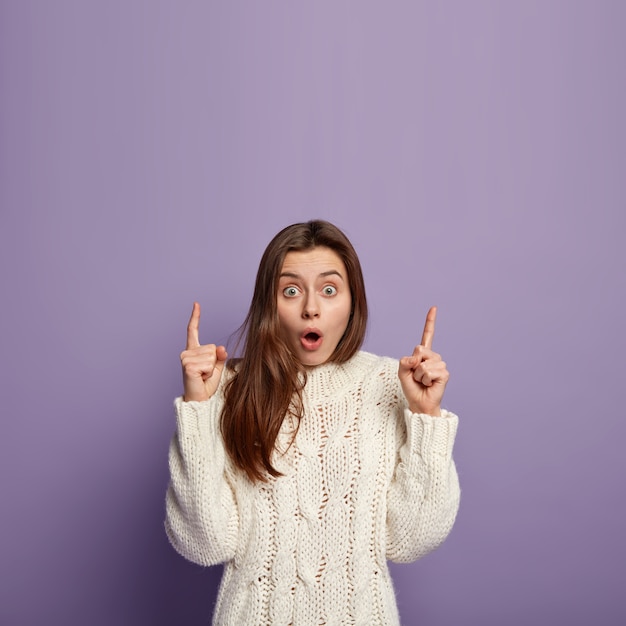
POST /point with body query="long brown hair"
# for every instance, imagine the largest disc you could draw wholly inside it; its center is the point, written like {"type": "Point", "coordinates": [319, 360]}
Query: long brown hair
{"type": "Point", "coordinates": [267, 381]}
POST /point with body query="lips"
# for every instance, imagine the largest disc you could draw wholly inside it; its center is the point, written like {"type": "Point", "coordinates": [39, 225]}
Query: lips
{"type": "Point", "coordinates": [311, 339]}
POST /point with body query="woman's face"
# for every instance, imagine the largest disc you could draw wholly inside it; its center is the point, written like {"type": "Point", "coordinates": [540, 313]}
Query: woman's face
{"type": "Point", "coordinates": [314, 303]}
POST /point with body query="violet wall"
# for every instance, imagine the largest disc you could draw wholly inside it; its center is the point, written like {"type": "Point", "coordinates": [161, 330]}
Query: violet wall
{"type": "Point", "coordinates": [474, 152]}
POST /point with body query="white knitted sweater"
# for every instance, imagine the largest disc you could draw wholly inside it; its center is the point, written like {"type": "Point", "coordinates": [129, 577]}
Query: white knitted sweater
{"type": "Point", "coordinates": [364, 481]}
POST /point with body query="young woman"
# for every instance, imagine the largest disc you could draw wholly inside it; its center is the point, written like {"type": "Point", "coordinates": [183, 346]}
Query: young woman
{"type": "Point", "coordinates": [306, 464]}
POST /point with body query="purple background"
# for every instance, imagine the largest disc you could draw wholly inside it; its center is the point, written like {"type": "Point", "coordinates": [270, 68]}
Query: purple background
{"type": "Point", "coordinates": [474, 152]}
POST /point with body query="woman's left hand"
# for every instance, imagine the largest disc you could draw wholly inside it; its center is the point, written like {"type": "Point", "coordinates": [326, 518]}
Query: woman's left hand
{"type": "Point", "coordinates": [424, 375]}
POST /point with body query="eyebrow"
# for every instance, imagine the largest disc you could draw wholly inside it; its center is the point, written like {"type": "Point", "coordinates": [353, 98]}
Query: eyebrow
{"type": "Point", "coordinates": [322, 275]}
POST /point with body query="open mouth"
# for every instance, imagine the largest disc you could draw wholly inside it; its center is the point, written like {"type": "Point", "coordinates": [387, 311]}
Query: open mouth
{"type": "Point", "coordinates": [311, 340]}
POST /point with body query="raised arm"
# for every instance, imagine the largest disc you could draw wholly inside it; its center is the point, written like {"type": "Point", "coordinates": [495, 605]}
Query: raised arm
{"type": "Point", "coordinates": [423, 498]}
{"type": "Point", "coordinates": [201, 513]}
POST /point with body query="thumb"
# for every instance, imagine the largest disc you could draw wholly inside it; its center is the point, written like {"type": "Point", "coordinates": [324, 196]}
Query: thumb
{"type": "Point", "coordinates": [407, 364]}
{"type": "Point", "coordinates": [222, 356]}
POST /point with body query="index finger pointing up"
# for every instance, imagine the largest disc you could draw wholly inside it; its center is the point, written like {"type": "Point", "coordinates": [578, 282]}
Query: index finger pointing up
{"type": "Point", "coordinates": [192, 328]}
{"type": "Point", "coordinates": [429, 328]}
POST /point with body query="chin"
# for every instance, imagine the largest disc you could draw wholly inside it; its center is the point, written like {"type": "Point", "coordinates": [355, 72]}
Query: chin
{"type": "Point", "coordinates": [312, 360]}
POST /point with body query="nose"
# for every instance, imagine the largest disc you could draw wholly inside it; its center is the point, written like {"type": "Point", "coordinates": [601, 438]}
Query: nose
{"type": "Point", "coordinates": [311, 307]}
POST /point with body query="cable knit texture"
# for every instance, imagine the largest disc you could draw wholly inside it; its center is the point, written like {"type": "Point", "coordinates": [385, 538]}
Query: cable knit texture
{"type": "Point", "coordinates": [365, 480]}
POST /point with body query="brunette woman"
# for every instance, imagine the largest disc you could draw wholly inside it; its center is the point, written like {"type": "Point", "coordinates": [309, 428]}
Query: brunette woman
{"type": "Point", "coordinates": [306, 464]}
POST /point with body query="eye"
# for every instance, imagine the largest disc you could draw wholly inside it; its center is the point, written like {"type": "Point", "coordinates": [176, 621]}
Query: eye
{"type": "Point", "coordinates": [290, 292]}
{"type": "Point", "coordinates": [329, 290]}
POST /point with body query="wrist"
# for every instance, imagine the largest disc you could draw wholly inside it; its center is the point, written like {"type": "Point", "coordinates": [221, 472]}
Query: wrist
{"type": "Point", "coordinates": [190, 396]}
{"type": "Point", "coordinates": [433, 411]}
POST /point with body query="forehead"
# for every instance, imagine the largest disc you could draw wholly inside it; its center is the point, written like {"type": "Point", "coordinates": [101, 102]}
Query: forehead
{"type": "Point", "coordinates": [314, 261]}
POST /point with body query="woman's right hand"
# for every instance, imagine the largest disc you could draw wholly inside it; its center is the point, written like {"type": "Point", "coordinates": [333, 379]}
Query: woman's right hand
{"type": "Point", "coordinates": [202, 365]}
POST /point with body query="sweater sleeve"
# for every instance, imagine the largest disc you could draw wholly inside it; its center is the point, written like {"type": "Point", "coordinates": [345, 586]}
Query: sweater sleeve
{"type": "Point", "coordinates": [423, 497]}
{"type": "Point", "coordinates": [201, 513]}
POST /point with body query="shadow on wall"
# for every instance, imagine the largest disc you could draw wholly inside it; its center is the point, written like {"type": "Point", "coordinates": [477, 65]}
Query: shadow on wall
{"type": "Point", "coordinates": [185, 592]}
{"type": "Point", "coordinates": [158, 586]}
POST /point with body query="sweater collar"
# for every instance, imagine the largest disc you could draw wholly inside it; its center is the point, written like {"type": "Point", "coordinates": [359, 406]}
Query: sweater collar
{"type": "Point", "coordinates": [331, 379]}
